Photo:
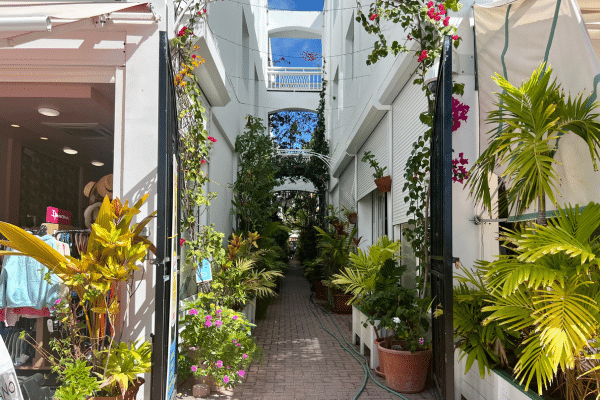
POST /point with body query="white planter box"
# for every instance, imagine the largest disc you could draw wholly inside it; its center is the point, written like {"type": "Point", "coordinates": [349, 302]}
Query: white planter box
{"type": "Point", "coordinates": [250, 311]}
{"type": "Point", "coordinates": [495, 386]}
{"type": "Point", "coordinates": [366, 335]}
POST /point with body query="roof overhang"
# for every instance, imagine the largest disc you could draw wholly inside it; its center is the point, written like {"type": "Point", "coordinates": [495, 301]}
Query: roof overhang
{"type": "Point", "coordinates": [211, 73]}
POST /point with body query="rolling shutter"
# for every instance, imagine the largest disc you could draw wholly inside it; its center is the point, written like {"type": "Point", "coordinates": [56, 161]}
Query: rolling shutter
{"type": "Point", "coordinates": [346, 187]}
{"type": "Point", "coordinates": [377, 145]}
{"type": "Point", "coordinates": [407, 128]}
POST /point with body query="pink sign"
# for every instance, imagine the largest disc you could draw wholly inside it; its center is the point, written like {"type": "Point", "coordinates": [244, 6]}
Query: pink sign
{"type": "Point", "coordinates": [57, 216]}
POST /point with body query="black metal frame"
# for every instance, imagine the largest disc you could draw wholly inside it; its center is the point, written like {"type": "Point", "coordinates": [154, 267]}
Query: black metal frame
{"type": "Point", "coordinates": [441, 228]}
{"type": "Point", "coordinates": [168, 146]}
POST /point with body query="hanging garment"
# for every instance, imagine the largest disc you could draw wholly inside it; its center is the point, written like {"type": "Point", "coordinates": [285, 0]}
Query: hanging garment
{"type": "Point", "coordinates": [22, 282]}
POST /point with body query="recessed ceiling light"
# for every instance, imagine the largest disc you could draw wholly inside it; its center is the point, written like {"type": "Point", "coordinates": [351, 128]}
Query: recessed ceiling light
{"type": "Point", "coordinates": [97, 163]}
{"type": "Point", "coordinates": [69, 150]}
{"type": "Point", "coordinates": [15, 126]}
{"type": "Point", "coordinates": [49, 112]}
{"type": "Point", "coordinates": [43, 138]}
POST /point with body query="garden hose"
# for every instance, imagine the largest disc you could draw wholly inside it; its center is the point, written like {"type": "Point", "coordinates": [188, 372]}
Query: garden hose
{"type": "Point", "coordinates": [353, 351]}
{"type": "Point", "coordinates": [365, 369]}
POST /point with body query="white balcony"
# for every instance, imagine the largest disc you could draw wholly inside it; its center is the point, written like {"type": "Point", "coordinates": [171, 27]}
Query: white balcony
{"type": "Point", "coordinates": [295, 79]}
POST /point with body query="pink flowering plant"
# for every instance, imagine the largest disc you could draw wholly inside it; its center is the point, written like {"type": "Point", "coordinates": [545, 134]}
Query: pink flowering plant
{"type": "Point", "coordinates": [219, 339]}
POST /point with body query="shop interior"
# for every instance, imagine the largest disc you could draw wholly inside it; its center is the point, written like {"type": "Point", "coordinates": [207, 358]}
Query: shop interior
{"type": "Point", "coordinates": [56, 150]}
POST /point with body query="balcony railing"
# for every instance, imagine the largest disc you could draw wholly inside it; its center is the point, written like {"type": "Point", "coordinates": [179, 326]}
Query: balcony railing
{"type": "Point", "coordinates": [295, 79]}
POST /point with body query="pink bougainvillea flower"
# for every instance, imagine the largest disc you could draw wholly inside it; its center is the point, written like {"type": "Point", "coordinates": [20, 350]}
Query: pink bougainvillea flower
{"type": "Point", "coordinates": [408, 37]}
{"type": "Point", "coordinates": [421, 341]}
{"type": "Point", "coordinates": [193, 311]}
{"type": "Point", "coordinates": [219, 311]}
{"type": "Point", "coordinates": [209, 316]}
{"type": "Point", "coordinates": [220, 364]}
{"type": "Point", "coordinates": [454, 37]}
{"type": "Point", "coordinates": [430, 4]}
{"type": "Point", "coordinates": [446, 21]}
{"type": "Point", "coordinates": [373, 17]}
{"type": "Point", "coordinates": [238, 344]}
{"type": "Point", "coordinates": [245, 356]}
{"type": "Point", "coordinates": [181, 242]}
{"type": "Point", "coordinates": [208, 324]}
{"type": "Point", "coordinates": [241, 373]}
{"type": "Point", "coordinates": [234, 341]}
{"type": "Point", "coordinates": [437, 17]}
{"type": "Point", "coordinates": [235, 317]}
{"type": "Point", "coordinates": [459, 113]}
{"type": "Point", "coordinates": [182, 31]}
{"type": "Point", "coordinates": [204, 10]}
{"type": "Point", "coordinates": [203, 161]}
{"type": "Point", "coordinates": [228, 367]}
{"type": "Point", "coordinates": [218, 323]}
{"type": "Point", "coordinates": [441, 7]}
{"type": "Point", "coordinates": [226, 379]}
{"type": "Point", "coordinates": [431, 13]}
{"type": "Point", "coordinates": [423, 56]}
{"type": "Point", "coordinates": [194, 368]}
{"type": "Point", "coordinates": [193, 56]}
{"type": "Point", "coordinates": [212, 139]}
{"type": "Point", "coordinates": [57, 302]}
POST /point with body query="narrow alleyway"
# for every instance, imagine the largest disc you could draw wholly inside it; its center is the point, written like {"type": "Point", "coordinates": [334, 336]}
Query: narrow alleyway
{"type": "Point", "coordinates": [301, 360]}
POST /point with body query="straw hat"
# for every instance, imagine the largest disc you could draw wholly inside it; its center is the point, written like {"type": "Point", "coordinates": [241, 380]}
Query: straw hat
{"type": "Point", "coordinates": [99, 189]}
{"type": "Point", "coordinates": [105, 186]}
{"type": "Point", "coordinates": [87, 190]}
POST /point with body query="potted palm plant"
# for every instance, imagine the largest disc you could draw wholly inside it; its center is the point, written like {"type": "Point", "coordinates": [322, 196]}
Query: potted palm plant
{"type": "Point", "coordinates": [335, 247]}
{"type": "Point", "coordinates": [384, 183]}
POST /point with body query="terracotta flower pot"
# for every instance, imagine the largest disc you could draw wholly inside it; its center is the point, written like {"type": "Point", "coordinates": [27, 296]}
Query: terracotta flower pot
{"type": "Point", "coordinates": [320, 290]}
{"type": "Point", "coordinates": [405, 372]}
{"type": "Point", "coordinates": [384, 184]}
{"type": "Point", "coordinates": [353, 218]}
{"type": "Point", "coordinates": [340, 303]}
{"type": "Point", "coordinates": [130, 394]}
{"type": "Point", "coordinates": [380, 370]}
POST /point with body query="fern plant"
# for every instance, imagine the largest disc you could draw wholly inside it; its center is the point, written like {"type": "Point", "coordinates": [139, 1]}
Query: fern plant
{"type": "Point", "coordinates": [549, 291]}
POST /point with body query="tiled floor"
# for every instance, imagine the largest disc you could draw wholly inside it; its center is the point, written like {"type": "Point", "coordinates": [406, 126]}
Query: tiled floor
{"type": "Point", "coordinates": [301, 360]}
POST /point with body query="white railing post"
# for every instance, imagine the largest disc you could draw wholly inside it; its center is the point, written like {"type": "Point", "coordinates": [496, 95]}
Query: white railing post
{"type": "Point", "coordinates": [294, 78]}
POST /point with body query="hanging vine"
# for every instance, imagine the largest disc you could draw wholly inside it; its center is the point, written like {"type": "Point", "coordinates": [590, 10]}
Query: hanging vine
{"type": "Point", "coordinates": [200, 241]}
{"type": "Point", "coordinates": [425, 25]}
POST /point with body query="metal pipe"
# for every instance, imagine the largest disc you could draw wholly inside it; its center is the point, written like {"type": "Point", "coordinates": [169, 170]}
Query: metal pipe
{"type": "Point", "coordinates": [27, 24]}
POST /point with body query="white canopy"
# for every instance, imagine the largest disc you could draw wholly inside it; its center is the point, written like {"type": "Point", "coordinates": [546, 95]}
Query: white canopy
{"type": "Point", "coordinates": [513, 38]}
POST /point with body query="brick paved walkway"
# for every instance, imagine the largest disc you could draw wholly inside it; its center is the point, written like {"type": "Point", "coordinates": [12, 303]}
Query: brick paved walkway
{"type": "Point", "coordinates": [301, 360]}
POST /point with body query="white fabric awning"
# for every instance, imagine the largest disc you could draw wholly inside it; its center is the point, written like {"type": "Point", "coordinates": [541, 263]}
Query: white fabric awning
{"type": "Point", "coordinates": [513, 38]}
{"type": "Point", "coordinates": [64, 10]}
{"type": "Point", "coordinates": [22, 22]}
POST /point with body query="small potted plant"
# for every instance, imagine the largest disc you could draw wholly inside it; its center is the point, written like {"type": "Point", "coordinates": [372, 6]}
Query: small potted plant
{"type": "Point", "coordinates": [384, 183]}
{"type": "Point", "coordinates": [406, 354]}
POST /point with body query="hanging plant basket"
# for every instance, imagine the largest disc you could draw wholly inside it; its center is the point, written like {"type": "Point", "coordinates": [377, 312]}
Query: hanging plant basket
{"type": "Point", "coordinates": [384, 184]}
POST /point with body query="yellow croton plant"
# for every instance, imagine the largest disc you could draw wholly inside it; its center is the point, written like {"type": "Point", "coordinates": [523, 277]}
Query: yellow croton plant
{"type": "Point", "coordinates": [114, 249]}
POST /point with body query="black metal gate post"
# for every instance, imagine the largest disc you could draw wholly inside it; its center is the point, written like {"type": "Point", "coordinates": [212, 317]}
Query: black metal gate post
{"type": "Point", "coordinates": [164, 356]}
{"type": "Point", "coordinates": [441, 228]}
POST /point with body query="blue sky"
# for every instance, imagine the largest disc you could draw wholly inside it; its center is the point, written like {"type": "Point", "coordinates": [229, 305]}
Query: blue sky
{"type": "Point", "coordinates": [297, 5]}
{"type": "Point", "coordinates": [292, 51]}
